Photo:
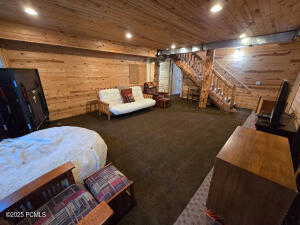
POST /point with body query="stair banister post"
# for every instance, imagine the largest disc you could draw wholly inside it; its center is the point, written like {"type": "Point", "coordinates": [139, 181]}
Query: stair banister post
{"type": "Point", "coordinates": [232, 96]}
{"type": "Point", "coordinates": [227, 93]}
{"type": "Point", "coordinates": [207, 76]}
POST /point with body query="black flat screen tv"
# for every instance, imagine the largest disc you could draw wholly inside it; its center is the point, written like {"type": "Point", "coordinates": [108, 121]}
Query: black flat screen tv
{"type": "Point", "coordinates": [280, 104]}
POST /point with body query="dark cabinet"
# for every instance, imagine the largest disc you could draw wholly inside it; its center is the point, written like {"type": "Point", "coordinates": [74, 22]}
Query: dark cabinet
{"type": "Point", "coordinates": [23, 106]}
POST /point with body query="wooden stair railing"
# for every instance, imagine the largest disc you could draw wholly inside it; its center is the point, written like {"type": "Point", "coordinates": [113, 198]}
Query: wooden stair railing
{"type": "Point", "coordinates": [245, 96]}
{"type": "Point", "coordinates": [224, 72]}
{"type": "Point", "coordinates": [222, 91]}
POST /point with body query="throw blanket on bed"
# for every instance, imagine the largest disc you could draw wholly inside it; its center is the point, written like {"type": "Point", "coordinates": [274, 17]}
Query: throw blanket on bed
{"type": "Point", "coordinates": [26, 158]}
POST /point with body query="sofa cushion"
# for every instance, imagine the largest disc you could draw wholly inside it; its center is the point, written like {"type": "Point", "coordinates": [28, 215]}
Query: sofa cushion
{"type": "Point", "coordinates": [106, 183]}
{"type": "Point", "coordinates": [123, 108]}
{"type": "Point", "coordinates": [66, 208]}
{"type": "Point", "coordinates": [110, 96]}
{"type": "Point", "coordinates": [132, 106]}
{"type": "Point", "coordinates": [145, 103]}
{"type": "Point", "coordinates": [137, 93]}
{"type": "Point", "coordinates": [127, 95]}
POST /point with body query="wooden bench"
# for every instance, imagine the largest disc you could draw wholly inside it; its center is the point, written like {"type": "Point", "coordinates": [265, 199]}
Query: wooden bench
{"type": "Point", "coordinates": [38, 192]}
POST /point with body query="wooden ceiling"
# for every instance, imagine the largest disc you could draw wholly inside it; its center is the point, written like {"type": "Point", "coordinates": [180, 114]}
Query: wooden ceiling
{"type": "Point", "coordinates": [157, 23]}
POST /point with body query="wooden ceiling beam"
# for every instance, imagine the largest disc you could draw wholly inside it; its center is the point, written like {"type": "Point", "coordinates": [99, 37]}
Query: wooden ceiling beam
{"type": "Point", "coordinates": [19, 32]}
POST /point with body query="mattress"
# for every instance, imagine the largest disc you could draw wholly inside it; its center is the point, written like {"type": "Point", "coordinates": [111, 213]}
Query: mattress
{"type": "Point", "coordinates": [28, 157]}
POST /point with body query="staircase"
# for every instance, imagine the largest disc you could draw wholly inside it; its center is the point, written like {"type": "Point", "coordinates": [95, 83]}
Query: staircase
{"type": "Point", "coordinates": [191, 66]}
{"type": "Point", "coordinates": [222, 91]}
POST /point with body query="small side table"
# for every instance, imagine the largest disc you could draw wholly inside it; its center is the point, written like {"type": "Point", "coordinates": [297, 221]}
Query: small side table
{"type": "Point", "coordinates": [163, 103]}
{"type": "Point", "coordinates": [92, 106]}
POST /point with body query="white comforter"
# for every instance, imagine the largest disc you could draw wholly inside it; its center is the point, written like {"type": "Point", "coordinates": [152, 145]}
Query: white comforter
{"type": "Point", "coordinates": [26, 158]}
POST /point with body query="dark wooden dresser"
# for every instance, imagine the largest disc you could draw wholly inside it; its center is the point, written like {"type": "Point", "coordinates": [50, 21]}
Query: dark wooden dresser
{"type": "Point", "coordinates": [253, 180]}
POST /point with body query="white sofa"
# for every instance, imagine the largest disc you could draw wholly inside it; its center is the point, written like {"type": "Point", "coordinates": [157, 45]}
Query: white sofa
{"type": "Point", "coordinates": [110, 101]}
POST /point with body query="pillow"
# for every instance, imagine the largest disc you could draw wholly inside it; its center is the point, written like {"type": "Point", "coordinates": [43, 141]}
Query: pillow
{"type": "Point", "coordinates": [127, 95]}
{"type": "Point", "coordinates": [110, 96]}
{"type": "Point", "coordinates": [137, 93]}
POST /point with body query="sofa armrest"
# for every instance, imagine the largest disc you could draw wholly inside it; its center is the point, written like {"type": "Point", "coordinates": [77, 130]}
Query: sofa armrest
{"type": "Point", "coordinates": [35, 188]}
{"type": "Point", "coordinates": [148, 96]}
{"type": "Point", "coordinates": [103, 107]}
{"type": "Point", "coordinates": [98, 215]}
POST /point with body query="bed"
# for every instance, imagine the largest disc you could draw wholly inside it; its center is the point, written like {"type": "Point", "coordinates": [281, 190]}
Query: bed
{"type": "Point", "coordinates": [28, 157]}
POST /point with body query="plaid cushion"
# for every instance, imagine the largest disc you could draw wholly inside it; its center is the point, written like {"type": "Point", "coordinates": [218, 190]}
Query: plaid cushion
{"type": "Point", "coordinates": [127, 95]}
{"type": "Point", "coordinates": [66, 208]}
{"type": "Point", "coordinates": [106, 182]}
{"type": "Point", "coordinates": [129, 98]}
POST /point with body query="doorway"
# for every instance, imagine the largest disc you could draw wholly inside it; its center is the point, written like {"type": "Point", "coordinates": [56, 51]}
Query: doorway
{"type": "Point", "coordinates": [1, 63]}
{"type": "Point", "coordinates": [175, 80]}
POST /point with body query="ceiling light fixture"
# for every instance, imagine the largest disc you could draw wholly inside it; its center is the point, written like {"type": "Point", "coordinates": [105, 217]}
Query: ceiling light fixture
{"type": "Point", "coordinates": [128, 35]}
{"type": "Point", "coordinates": [31, 11]}
{"type": "Point", "coordinates": [195, 49]}
{"type": "Point", "coordinates": [216, 8]}
{"type": "Point", "coordinates": [246, 41]}
{"type": "Point", "coordinates": [243, 35]}
{"type": "Point", "coordinates": [173, 46]}
{"type": "Point", "coordinates": [183, 50]}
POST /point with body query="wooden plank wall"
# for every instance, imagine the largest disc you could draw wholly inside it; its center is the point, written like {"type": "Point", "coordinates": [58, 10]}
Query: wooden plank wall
{"type": "Point", "coordinates": [71, 77]}
{"type": "Point", "coordinates": [4, 58]}
{"type": "Point", "coordinates": [269, 64]}
{"type": "Point", "coordinates": [20, 32]}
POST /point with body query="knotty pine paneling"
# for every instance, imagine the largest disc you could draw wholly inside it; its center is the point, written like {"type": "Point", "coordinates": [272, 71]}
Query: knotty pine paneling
{"type": "Point", "coordinates": [269, 64]}
{"type": "Point", "coordinates": [72, 77]}
{"type": "Point", "coordinates": [157, 24]}
{"type": "Point", "coordinates": [20, 32]}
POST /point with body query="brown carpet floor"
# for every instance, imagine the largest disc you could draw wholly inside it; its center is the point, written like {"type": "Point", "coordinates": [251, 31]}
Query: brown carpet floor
{"type": "Point", "coordinates": [166, 152]}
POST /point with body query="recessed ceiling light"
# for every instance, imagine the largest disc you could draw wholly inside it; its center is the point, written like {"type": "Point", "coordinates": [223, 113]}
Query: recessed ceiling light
{"type": "Point", "coordinates": [195, 48]}
{"type": "Point", "coordinates": [243, 35]}
{"type": "Point", "coordinates": [246, 41]}
{"type": "Point", "coordinates": [128, 35]}
{"type": "Point", "coordinates": [216, 8]}
{"type": "Point", "coordinates": [31, 11]}
{"type": "Point", "coordinates": [183, 50]}
{"type": "Point", "coordinates": [173, 46]}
